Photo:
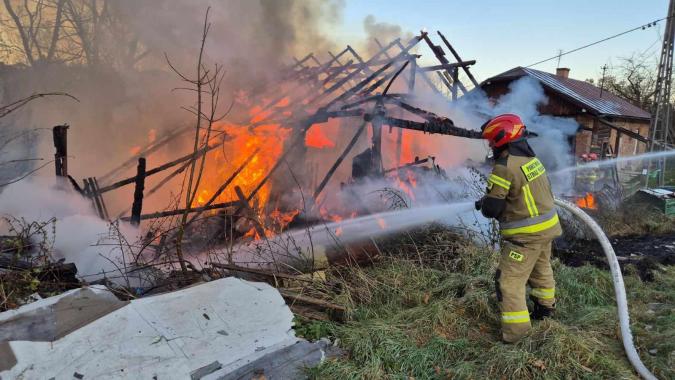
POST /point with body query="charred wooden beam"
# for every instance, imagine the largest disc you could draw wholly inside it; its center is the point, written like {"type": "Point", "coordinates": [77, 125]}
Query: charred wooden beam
{"type": "Point", "coordinates": [138, 193]}
{"type": "Point", "coordinates": [358, 58]}
{"type": "Point", "coordinates": [455, 83]}
{"type": "Point", "coordinates": [75, 185]}
{"type": "Point", "coordinates": [97, 191]}
{"type": "Point", "coordinates": [60, 134]}
{"type": "Point", "coordinates": [243, 204]}
{"type": "Point", "coordinates": [160, 184]}
{"type": "Point", "coordinates": [447, 66]}
{"type": "Point", "coordinates": [367, 66]}
{"type": "Point", "coordinates": [300, 62]}
{"type": "Point", "coordinates": [360, 67]}
{"type": "Point", "coordinates": [423, 74]}
{"type": "Point", "coordinates": [227, 182]}
{"type": "Point", "coordinates": [339, 160]}
{"type": "Point", "coordinates": [162, 214]}
{"type": "Point", "coordinates": [160, 168]}
{"type": "Point", "coordinates": [147, 150]}
{"type": "Point", "coordinates": [444, 79]}
{"type": "Point", "coordinates": [410, 164]}
{"type": "Point", "coordinates": [459, 59]}
{"type": "Point", "coordinates": [439, 126]}
{"type": "Point", "coordinates": [624, 131]}
{"type": "Point", "coordinates": [440, 55]}
{"type": "Point", "coordinates": [94, 195]}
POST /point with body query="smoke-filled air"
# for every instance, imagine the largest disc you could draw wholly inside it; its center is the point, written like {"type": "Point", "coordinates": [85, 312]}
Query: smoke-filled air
{"type": "Point", "coordinates": [352, 173]}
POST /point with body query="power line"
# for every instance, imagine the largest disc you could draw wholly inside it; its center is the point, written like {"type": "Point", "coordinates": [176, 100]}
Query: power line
{"type": "Point", "coordinates": [557, 56]}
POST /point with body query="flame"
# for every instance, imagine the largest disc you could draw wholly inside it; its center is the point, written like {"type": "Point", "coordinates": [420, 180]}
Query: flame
{"type": "Point", "coordinates": [338, 231]}
{"type": "Point", "coordinates": [316, 138]}
{"type": "Point", "coordinates": [135, 150]}
{"type": "Point", "coordinates": [382, 223]}
{"type": "Point", "coordinates": [587, 202]}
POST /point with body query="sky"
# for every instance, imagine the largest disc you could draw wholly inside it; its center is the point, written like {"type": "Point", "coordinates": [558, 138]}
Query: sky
{"type": "Point", "coordinates": [501, 34]}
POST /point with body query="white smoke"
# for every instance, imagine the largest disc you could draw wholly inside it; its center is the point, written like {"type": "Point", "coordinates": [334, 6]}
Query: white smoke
{"type": "Point", "coordinates": [524, 98]}
{"type": "Point", "coordinates": [79, 235]}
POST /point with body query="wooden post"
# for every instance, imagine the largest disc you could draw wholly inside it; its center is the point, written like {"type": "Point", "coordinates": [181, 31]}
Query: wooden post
{"type": "Point", "coordinates": [617, 144]}
{"type": "Point", "coordinates": [60, 134]}
{"type": "Point", "coordinates": [138, 193]}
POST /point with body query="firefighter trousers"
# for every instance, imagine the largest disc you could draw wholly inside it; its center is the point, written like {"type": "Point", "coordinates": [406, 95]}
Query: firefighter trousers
{"type": "Point", "coordinates": [523, 263]}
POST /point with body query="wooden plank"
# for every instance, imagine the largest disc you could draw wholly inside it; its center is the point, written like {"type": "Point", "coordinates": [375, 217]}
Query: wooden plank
{"type": "Point", "coordinates": [261, 272]}
{"type": "Point", "coordinates": [459, 59]}
{"type": "Point", "coordinates": [189, 157]}
{"type": "Point", "coordinates": [162, 214]}
{"type": "Point", "coordinates": [297, 297]}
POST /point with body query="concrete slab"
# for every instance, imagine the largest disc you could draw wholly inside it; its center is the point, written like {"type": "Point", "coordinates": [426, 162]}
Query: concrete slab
{"type": "Point", "coordinates": [187, 333]}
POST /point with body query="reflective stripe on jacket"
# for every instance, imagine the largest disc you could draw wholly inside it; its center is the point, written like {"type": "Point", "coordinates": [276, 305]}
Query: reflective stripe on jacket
{"type": "Point", "coordinates": [529, 211]}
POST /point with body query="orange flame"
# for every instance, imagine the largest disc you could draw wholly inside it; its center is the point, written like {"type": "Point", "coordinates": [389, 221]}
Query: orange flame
{"type": "Point", "coordinates": [587, 202]}
{"type": "Point", "coordinates": [316, 138]}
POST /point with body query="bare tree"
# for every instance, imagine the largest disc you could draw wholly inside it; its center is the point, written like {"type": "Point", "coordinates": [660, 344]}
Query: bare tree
{"type": "Point", "coordinates": [206, 85]}
{"type": "Point", "coordinates": [8, 139]}
{"type": "Point", "coordinates": [68, 31]}
{"type": "Point", "coordinates": [634, 80]}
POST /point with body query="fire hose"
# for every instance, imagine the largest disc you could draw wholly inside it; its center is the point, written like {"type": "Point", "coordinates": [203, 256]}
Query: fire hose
{"type": "Point", "coordinates": [619, 288]}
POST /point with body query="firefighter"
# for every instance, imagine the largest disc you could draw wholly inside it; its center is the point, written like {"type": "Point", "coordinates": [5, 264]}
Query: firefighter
{"type": "Point", "coordinates": [587, 177]}
{"type": "Point", "coordinates": [519, 196]}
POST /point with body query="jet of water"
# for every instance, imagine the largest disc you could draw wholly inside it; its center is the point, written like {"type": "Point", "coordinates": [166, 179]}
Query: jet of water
{"type": "Point", "coordinates": [306, 242]}
{"type": "Point", "coordinates": [613, 161]}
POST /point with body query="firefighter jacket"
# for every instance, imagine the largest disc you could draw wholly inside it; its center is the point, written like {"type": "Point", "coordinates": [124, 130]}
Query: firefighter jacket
{"type": "Point", "coordinates": [519, 196]}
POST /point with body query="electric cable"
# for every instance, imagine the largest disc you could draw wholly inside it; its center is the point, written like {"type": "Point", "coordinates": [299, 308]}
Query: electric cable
{"type": "Point", "coordinates": [645, 26]}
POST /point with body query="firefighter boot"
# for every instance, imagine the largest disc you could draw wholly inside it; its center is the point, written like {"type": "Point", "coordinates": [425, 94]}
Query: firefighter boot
{"type": "Point", "coordinates": [540, 311]}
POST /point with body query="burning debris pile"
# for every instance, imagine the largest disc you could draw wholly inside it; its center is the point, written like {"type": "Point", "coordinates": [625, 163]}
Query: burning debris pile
{"type": "Point", "coordinates": [326, 141]}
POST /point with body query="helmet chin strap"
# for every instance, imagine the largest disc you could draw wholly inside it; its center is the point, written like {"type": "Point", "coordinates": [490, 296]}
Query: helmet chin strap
{"type": "Point", "coordinates": [497, 151]}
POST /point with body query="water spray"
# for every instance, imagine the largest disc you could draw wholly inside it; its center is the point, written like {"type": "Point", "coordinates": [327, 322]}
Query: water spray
{"type": "Point", "coordinates": [617, 160]}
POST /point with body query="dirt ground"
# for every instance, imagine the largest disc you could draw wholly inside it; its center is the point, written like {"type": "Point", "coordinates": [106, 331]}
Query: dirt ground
{"type": "Point", "coordinates": [644, 252]}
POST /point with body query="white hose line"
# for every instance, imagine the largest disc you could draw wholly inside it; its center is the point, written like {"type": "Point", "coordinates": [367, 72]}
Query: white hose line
{"type": "Point", "coordinates": [619, 288]}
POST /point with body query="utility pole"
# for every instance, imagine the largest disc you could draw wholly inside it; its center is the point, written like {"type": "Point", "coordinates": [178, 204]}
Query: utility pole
{"type": "Point", "coordinates": [602, 80]}
{"type": "Point", "coordinates": [661, 126]}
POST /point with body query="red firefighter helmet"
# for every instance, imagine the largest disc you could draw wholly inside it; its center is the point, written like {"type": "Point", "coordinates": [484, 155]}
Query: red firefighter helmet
{"type": "Point", "coordinates": [503, 129]}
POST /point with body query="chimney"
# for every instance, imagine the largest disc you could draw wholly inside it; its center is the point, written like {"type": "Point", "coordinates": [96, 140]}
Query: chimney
{"type": "Point", "coordinates": [562, 72]}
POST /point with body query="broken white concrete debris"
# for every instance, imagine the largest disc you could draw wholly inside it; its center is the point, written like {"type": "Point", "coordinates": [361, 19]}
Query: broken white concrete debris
{"type": "Point", "coordinates": [205, 331]}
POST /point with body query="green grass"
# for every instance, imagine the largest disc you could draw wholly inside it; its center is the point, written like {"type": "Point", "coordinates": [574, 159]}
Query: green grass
{"type": "Point", "coordinates": [417, 314]}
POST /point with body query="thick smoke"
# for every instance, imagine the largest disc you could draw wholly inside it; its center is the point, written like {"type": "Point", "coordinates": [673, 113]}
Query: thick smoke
{"type": "Point", "coordinates": [78, 234]}
{"type": "Point", "coordinates": [524, 98]}
{"type": "Point", "coordinates": [383, 32]}
{"type": "Point", "coordinates": [127, 95]}
{"type": "Point", "coordinates": [126, 104]}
